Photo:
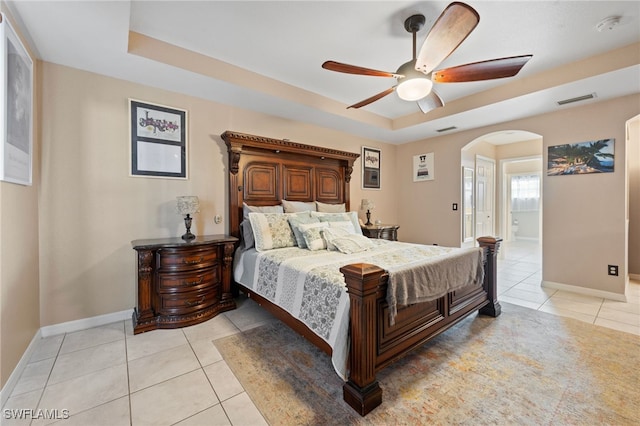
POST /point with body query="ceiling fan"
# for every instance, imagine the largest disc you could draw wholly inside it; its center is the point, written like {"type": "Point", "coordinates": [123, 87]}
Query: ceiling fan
{"type": "Point", "coordinates": [416, 77]}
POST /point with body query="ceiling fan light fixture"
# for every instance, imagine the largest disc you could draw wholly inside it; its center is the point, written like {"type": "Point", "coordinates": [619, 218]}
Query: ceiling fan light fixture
{"type": "Point", "coordinates": [413, 89]}
{"type": "Point", "coordinates": [412, 84]}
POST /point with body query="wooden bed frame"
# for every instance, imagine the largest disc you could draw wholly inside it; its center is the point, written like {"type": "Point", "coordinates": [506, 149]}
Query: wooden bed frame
{"type": "Point", "coordinates": [264, 171]}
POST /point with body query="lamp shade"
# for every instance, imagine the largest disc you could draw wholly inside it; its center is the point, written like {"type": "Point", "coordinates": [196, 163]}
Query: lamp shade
{"type": "Point", "coordinates": [187, 204]}
{"type": "Point", "coordinates": [413, 85]}
{"type": "Point", "coordinates": [367, 204]}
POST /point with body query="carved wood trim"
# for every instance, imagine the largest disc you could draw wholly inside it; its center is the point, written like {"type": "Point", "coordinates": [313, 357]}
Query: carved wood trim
{"type": "Point", "coordinates": [237, 140]}
{"type": "Point", "coordinates": [491, 245]}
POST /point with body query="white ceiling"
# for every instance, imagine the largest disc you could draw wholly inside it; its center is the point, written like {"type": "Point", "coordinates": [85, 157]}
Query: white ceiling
{"type": "Point", "coordinates": [287, 41]}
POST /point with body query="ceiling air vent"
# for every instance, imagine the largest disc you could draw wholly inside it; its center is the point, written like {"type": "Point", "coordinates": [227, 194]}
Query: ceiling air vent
{"type": "Point", "coordinates": [446, 129]}
{"type": "Point", "coordinates": [576, 99]}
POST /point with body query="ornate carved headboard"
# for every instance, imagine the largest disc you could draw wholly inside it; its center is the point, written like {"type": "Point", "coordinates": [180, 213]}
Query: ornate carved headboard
{"type": "Point", "coordinates": [264, 171]}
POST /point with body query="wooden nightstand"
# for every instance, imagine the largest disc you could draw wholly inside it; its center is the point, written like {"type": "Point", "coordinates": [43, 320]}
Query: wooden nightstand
{"type": "Point", "coordinates": [385, 232]}
{"type": "Point", "coordinates": [182, 283]}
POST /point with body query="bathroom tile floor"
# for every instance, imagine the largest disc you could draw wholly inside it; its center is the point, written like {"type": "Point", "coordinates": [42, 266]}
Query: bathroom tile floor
{"type": "Point", "coordinates": [107, 376]}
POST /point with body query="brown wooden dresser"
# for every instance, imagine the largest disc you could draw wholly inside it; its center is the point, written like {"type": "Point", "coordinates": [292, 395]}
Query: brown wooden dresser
{"type": "Point", "coordinates": [385, 232]}
{"type": "Point", "coordinates": [182, 283]}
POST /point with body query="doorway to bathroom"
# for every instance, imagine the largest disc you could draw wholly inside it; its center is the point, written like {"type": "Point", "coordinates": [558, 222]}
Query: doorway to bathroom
{"type": "Point", "coordinates": [522, 191]}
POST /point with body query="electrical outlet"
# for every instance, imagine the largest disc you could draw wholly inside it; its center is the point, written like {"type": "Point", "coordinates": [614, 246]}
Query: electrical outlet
{"type": "Point", "coordinates": [613, 270]}
{"type": "Point", "coordinates": [217, 218]}
{"type": "Point", "coordinates": [455, 206]}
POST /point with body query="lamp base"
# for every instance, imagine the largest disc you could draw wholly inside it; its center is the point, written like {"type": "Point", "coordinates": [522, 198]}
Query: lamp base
{"type": "Point", "coordinates": [188, 236]}
{"type": "Point", "coordinates": [368, 219]}
{"type": "Point", "coordinates": [187, 223]}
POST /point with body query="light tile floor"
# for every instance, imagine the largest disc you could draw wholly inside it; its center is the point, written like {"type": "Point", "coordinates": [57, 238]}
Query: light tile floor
{"type": "Point", "coordinates": [108, 376]}
{"type": "Point", "coordinates": [519, 282]}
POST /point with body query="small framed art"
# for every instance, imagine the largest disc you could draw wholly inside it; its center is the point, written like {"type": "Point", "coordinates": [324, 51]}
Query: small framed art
{"type": "Point", "coordinates": [370, 168]}
{"type": "Point", "coordinates": [423, 167]}
{"type": "Point", "coordinates": [16, 110]}
{"type": "Point", "coordinates": [158, 140]}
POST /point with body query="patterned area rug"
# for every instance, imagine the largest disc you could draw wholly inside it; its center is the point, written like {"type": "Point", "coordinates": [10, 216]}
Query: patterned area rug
{"type": "Point", "coordinates": [524, 367]}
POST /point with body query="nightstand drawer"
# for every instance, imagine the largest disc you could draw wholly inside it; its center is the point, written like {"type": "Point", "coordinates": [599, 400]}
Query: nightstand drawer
{"type": "Point", "coordinates": [187, 281]}
{"type": "Point", "coordinates": [186, 259]}
{"type": "Point", "coordinates": [182, 303]}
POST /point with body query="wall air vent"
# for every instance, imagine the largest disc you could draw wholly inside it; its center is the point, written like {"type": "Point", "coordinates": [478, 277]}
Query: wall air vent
{"type": "Point", "coordinates": [446, 129]}
{"type": "Point", "coordinates": [576, 99]}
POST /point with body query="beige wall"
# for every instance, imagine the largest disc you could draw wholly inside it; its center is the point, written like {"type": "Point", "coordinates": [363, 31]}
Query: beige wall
{"type": "Point", "coordinates": [633, 164]}
{"type": "Point", "coordinates": [91, 208]}
{"type": "Point", "coordinates": [584, 216]}
{"type": "Point", "coordinates": [19, 303]}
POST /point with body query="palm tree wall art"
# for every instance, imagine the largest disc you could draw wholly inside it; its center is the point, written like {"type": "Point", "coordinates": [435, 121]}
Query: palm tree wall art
{"type": "Point", "coordinates": [581, 158]}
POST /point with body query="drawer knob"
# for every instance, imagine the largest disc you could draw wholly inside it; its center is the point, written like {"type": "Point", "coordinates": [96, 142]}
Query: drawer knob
{"type": "Point", "coordinates": [192, 262]}
{"type": "Point", "coordinates": [192, 283]}
{"type": "Point", "coordinates": [194, 302]}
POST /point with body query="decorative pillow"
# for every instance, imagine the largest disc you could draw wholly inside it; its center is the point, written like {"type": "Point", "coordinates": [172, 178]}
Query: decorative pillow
{"type": "Point", "coordinates": [298, 206]}
{"type": "Point", "coordinates": [347, 243]}
{"type": "Point", "coordinates": [330, 208]}
{"type": "Point", "coordinates": [245, 225]}
{"type": "Point", "coordinates": [335, 231]}
{"type": "Point", "coordinates": [297, 219]}
{"type": "Point", "coordinates": [312, 235]}
{"type": "Point", "coordinates": [271, 231]}
{"type": "Point", "coordinates": [340, 217]}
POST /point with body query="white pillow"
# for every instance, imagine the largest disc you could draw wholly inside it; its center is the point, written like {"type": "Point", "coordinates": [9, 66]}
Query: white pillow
{"type": "Point", "coordinates": [346, 243]}
{"type": "Point", "coordinates": [298, 206]}
{"type": "Point", "coordinates": [343, 224]}
{"type": "Point", "coordinates": [312, 233]}
{"type": "Point", "coordinates": [330, 208]}
{"type": "Point", "coordinates": [338, 217]}
{"type": "Point", "coordinates": [271, 231]}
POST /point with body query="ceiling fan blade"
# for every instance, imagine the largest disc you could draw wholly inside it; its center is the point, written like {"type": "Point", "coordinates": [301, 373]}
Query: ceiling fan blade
{"type": "Point", "coordinates": [430, 102]}
{"type": "Point", "coordinates": [453, 26]}
{"type": "Point", "coordinates": [353, 69]}
{"type": "Point", "coordinates": [373, 98]}
{"type": "Point", "coordinates": [483, 70]}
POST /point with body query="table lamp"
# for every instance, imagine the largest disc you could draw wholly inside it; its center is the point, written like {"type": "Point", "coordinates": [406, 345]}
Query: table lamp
{"type": "Point", "coordinates": [368, 206]}
{"type": "Point", "coordinates": [188, 205]}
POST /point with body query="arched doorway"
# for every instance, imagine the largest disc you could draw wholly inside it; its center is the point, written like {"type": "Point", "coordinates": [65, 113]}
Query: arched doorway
{"type": "Point", "coordinates": [501, 184]}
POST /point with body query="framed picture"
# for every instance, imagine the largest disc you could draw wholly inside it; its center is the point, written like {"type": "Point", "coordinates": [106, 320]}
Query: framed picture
{"type": "Point", "coordinates": [423, 167]}
{"type": "Point", "coordinates": [158, 140]}
{"type": "Point", "coordinates": [581, 158]}
{"type": "Point", "coordinates": [370, 168]}
{"type": "Point", "coordinates": [16, 115]}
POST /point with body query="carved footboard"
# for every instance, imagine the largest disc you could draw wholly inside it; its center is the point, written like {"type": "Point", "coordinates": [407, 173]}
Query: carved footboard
{"type": "Point", "coordinates": [375, 344]}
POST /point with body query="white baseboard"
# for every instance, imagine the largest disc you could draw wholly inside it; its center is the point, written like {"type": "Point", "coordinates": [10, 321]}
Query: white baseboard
{"type": "Point", "coordinates": [635, 277]}
{"type": "Point", "coordinates": [7, 389]}
{"type": "Point", "coordinates": [52, 330]}
{"type": "Point", "coordinates": [586, 291]}
{"type": "Point", "coordinates": [83, 324]}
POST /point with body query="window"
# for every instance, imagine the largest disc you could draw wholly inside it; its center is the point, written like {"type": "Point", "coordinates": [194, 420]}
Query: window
{"type": "Point", "coordinates": [525, 193]}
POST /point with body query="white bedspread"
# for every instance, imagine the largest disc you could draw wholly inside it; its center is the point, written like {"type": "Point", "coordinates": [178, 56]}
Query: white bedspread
{"type": "Point", "coordinates": [309, 284]}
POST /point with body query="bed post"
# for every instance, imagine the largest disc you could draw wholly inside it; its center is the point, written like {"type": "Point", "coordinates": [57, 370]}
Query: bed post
{"type": "Point", "coordinates": [491, 246]}
{"type": "Point", "coordinates": [362, 391]}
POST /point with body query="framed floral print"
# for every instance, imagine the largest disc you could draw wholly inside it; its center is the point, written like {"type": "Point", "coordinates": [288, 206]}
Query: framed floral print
{"type": "Point", "coordinates": [158, 140]}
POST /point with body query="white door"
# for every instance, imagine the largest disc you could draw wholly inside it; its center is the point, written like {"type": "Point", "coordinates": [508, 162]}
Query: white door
{"type": "Point", "coordinates": [485, 190]}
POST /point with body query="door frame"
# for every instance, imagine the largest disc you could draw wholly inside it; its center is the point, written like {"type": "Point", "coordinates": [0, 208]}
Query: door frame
{"type": "Point", "coordinates": [505, 225]}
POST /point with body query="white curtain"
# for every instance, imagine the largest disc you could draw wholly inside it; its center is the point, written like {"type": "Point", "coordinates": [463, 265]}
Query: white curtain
{"type": "Point", "coordinates": [525, 193]}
